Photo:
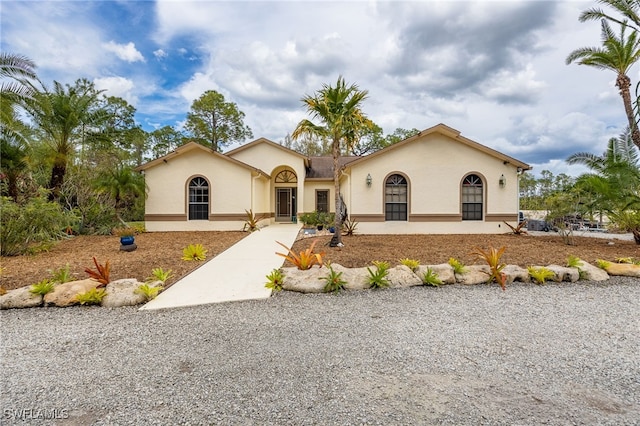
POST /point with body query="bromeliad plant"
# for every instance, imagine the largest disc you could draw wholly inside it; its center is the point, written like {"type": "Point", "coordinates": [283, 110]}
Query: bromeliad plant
{"type": "Point", "coordinates": [148, 291]}
{"type": "Point", "coordinates": [62, 275]}
{"type": "Point", "coordinates": [349, 227]}
{"type": "Point", "coordinates": [410, 263]}
{"type": "Point", "coordinates": [378, 279]}
{"type": "Point", "coordinates": [101, 274]}
{"type": "Point", "coordinates": [251, 222]}
{"type": "Point", "coordinates": [43, 287]}
{"type": "Point", "coordinates": [91, 297]}
{"type": "Point", "coordinates": [492, 257]}
{"type": "Point", "coordinates": [333, 280]}
{"type": "Point", "coordinates": [541, 274]}
{"type": "Point", "coordinates": [458, 266]}
{"type": "Point", "coordinates": [576, 262]}
{"type": "Point", "coordinates": [275, 279]}
{"type": "Point", "coordinates": [194, 252]}
{"type": "Point", "coordinates": [305, 260]}
{"type": "Point", "coordinates": [159, 274]}
{"type": "Point", "coordinates": [431, 278]}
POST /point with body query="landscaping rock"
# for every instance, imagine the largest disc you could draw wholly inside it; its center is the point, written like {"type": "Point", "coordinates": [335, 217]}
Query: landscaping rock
{"type": "Point", "coordinates": [444, 271]}
{"type": "Point", "coordinates": [623, 269]}
{"type": "Point", "coordinates": [592, 273]}
{"type": "Point", "coordinates": [123, 293]}
{"type": "Point", "coordinates": [304, 281]}
{"type": "Point", "coordinates": [476, 274]}
{"type": "Point", "coordinates": [402, 276]}
{"type": "Point", "coordinates": [20, 298]}
{"type": "Point", "coordinates": [65, 294]}
{"type": "Point", "coordinates": [128, 247]}
{"type": "Point", "coordinates": [564, 274]}
{"type": "Point", "coordinates": [516, 273]}
{"type": "Point", "coordinates": [356, 278]}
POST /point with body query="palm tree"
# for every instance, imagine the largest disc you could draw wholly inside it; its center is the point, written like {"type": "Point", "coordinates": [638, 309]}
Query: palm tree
{"type": "Point", "coordinates": [120, 183]}
{"type": "Point", "coordinates": [629, 9]}
{"type": "Point", "coordinates": [63, 117]}
{"type": "Point", "coordinates": [341, 121]}
{"type": "Point", "coordinates": [18, 69]}
{"type": "Point", "coordinates": [617, 54]}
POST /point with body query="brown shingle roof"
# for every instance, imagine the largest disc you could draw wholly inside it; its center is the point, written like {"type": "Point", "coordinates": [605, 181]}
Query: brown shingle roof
{"type": "Point", "coordinates": [322, 167]}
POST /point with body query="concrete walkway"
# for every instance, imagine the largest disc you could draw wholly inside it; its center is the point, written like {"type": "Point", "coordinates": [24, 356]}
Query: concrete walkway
{"type": "Point", "coordinates": [237, 273]}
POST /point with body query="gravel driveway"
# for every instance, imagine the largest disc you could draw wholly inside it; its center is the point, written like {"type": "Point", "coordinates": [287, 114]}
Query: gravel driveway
{"type": "Point", "coordinates": [557, 354]}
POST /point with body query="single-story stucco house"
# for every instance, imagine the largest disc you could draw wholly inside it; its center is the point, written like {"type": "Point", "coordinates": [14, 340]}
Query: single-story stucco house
{"type": "Point", "coordinates": [434, 182]}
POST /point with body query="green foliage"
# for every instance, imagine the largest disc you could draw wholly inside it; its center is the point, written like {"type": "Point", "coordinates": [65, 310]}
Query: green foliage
{"type": "Point", "coordinates": [602, 264]}
{"type": "Point", "coordinates": [306, 259]}
{"type": "Point", "coordinates": [309, 219]}
{"type": "Point", "coordinates": [251, 222]}
{"type": "Point", "coordinates": [159, 274]}
{"type": "Point", "coordinates": [378, 278]}
{"type": "Point", "coordinates": [492, 257]}
{"type": "Point", "coordinates": [573, 261]}
{"type": "Point", "coordinates": [122, 185]}
{"type": "Point", "coordinates": [431, 278]}
{"type": "Point", "coordinates": [62, 275]}
{"type": "Point", "coordinates": [101, 273]}
{"type": "Point", "coordinates": [215, 122]}
{"type": "Point", "coordinates": [43, 287]}
{"type": "Point", "coordinates": [194, 252]}
{"type": "Point", "coordinates": [275, 279]}
{"type": "Point", "coordinates": [540, 274]}
{"type": "Point", "coordinates": [31, 226]}
{"type": "Point", "coordinates": [91, 297]}
{"type": "Point", "coordinates": [333, 280]}
{"type": "Point", "coordinates": [410, 263]}
{"type": "Point", "coordinates": [125, 231]}
{"type": "Point", "coordinates": [458, 266]}
{"type": "Point", "coordinates": [148, 291]}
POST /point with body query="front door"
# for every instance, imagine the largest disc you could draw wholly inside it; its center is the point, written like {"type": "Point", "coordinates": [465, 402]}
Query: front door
{"type": "Point", "coordinates": [285, 204]}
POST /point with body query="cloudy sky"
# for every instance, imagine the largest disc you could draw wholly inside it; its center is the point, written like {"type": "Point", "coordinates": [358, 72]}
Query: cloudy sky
{"type": "Point", "coordinates": [493, 70]}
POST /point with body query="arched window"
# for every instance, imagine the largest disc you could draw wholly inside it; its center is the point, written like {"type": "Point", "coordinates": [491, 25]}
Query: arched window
{"type": "Point", "coordinates": [286, 176]}
{"type": "Point", "coordinates": [472, 198]}
{"type": "Point", "coordinates": [198, 199]}
{"type": "Point", "coordinates": [395, 198]}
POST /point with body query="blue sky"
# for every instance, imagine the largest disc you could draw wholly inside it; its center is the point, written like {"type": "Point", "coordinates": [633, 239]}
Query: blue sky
{"type": "Point", "coordinates": [493, 70]}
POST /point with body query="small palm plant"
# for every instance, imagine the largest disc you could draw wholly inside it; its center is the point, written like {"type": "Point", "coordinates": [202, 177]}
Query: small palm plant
{"type": "Point", "coordinates": [378, 278]}
{"type": "Point", "coordinates": [492, 257]}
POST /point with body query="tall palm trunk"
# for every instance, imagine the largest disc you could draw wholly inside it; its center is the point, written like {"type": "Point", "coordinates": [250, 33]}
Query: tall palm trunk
{"type": "Point", "coordinates": [623, 82]}
{"type": "Point", "coordinates": [337, 235]}
{"type": "Point", "coordinates": [57, 178]}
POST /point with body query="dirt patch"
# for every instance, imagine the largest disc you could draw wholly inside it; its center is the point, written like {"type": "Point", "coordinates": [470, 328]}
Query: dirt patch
{"type": "Point", "coordinates": [164, 249]}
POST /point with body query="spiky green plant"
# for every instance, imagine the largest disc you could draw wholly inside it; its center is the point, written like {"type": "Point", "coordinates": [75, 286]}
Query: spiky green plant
{"type": "Point", "coordinates": [91, 297]}
{"type": "Point", "coordinates": [540, 274]}
{"type": "Point", "coordinates": [492, 257]}
{"type": "Point", "coordinates": [431, 278]}
{"type": "Point", "coordinates": [194, 252]}
{"type": "Point", "coordinates": [159, 274]}
{"type": "Point", "coordinates": [602, 264]}
{"type": "Point", "coordinates": [573, 261]}
{"type": "Point", "coordinates": [410, 263]}
{"type": "Point", "coordinates": [275, 279]}
{"type": "Point", "coordinates": [333, 280]}
{"type": "Point", "coordinates": [62, 275]}
{"type": "Point", "coordinates": [381, 264]}
{"type": "Point", "coordinates": [43, 287]}
{"type": "Point", "coordinates": [458, 266]}
{"type": "Point", "coordinates": [378, 279]}
{"type": "Point", "coordinates": [148, 291]}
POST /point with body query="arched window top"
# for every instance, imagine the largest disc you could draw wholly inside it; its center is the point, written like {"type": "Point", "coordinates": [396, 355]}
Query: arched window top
{"type": "Point", "coordinates": [472, 180]}
{"type": "Point", "coordinates": [198, 182]}
{"type": "Point", "coordinates": [395, 197]}
{"type": "Point", "coordinates": [395, 180]}
{"type": "Point", "coordinates": [286, 176]}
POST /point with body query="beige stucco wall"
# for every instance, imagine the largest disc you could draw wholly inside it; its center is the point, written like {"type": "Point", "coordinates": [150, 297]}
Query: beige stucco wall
{"type": "Point", "coordinates": [310, 195]}
{"type": "Point", "coordinates": [231, 186]}
{"type": "Point", "coordinates": [272, 159]}
{"type": "Point", "coordinates": [434, 166]}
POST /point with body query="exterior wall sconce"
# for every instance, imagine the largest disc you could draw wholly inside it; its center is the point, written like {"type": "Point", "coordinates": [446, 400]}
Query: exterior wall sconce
{"type": "Point", "coordinates": [369, 179]}
{"type": "Point", "coordinates": [502, 181]}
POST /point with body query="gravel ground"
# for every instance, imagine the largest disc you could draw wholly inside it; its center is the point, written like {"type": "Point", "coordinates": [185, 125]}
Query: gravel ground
{"type": "Point", "coordinates": [560, 354]}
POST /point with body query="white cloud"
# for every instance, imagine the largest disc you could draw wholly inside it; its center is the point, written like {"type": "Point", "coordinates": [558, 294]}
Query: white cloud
{"type": "Point", "coordinates": [160, 54]}
{"type": "Point", "coordinates": [117, 86]}
{"type": "Point", "coordinates": [126, 52]}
